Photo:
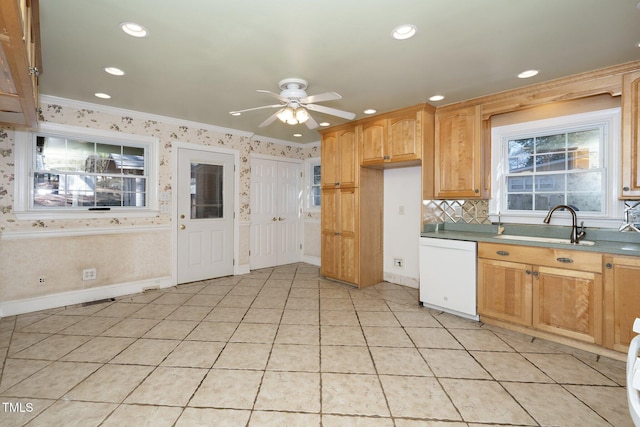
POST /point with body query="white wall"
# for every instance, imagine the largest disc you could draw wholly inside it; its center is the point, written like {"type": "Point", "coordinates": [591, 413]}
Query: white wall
{"type": "Point", "coordinates": [402, 222]}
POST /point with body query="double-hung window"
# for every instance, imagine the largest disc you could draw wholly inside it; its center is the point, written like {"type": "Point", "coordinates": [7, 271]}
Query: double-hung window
{"type": "Point", "coordinates": [561, 161]}
{"type": "Point", "coordinates": [74, 171]}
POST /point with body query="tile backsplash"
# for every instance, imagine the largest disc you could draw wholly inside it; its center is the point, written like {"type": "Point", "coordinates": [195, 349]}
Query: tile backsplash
{"type": "Point", "coordinates": [459, 211]}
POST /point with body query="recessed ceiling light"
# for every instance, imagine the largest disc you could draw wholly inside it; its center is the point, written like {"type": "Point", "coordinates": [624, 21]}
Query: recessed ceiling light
{"type": "Point", "coordinates": [235, 113]}
{"type": "Point", "coordinates": [102, 95]}
{"type": "Point", "coordinates": [369, 111]}
{"type": "Point", "coordinates": [404, 32]}
{"type": "Point", "coordinates": [114, 71]}
{"type": "Point", "coordinates": [133, 29]}
{"type": "Point", "coordinates": [297, 135]}
{"type": "Point", "coordinates": [436, 98]}
{"type": "Point", "coordinates": [527, 74]}
{"type": "Point", "coordinates": [325, 124]}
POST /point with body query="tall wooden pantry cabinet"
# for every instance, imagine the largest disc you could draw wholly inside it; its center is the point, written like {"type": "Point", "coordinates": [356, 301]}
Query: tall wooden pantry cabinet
{"type": "Point", "coordinates": [352, 211]}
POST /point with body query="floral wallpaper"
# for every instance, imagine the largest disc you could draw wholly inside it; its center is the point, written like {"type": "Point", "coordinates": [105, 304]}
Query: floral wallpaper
{"type": "Point", "coordinates": [167, 132]}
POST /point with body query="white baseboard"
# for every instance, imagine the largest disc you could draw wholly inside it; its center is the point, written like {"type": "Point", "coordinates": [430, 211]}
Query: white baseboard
{"type": "Point", "coordinates": [313, 260]}
{"type": "Point", "coordinates": [62, 299]}
{"type": "Point", "coordinates": [398, 279]}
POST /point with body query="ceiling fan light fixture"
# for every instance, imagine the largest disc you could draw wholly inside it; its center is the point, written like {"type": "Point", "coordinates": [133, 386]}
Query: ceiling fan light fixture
{"type": "Point", "coordinates": [293, 116]}
{"type": "Point", "coordinates": [302, 115]}
{"type": "Point", "coordinates": [404, 32]}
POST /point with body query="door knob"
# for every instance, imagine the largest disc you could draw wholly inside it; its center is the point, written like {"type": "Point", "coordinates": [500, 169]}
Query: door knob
{"type": "Point", "coordinates": [182, 216]}
{"type": "Point", "coordinates": [281, 219]}
{"type": "Point", "coordinates": [274, 219]}
{"type": "Point", "coordinates": [182, 226]}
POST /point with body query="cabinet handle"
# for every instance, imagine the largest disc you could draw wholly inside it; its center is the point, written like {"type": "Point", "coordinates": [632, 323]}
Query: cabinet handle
{"type": "Point", "coordinates": [386, 157]}
{"type": "Point", "coordinates": [476, 191]}
{"type": "Point", "coordinates": [535, 273]}
{"type": "Point", "coordinates": [527, 272]}
{"type": "Point", "coordinates": [609, 265]}
{"type": "Point", "coordinates": [502, 253]}
{"type": "Point", "coordinates": [625, 188]}
{"type": "Point", "coordinates": [337, 183]}
{"type": "Point", "coordinates": [564, 260]}
{"type": "Point", "coordinates": [336, 234]}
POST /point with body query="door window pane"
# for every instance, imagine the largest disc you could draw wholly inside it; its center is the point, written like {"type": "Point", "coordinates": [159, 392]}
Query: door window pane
{"type": "Point", "coordinates": [206, 191]}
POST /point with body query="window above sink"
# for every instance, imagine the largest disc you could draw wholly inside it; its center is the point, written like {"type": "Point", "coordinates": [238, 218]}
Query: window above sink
{"type": "Point", "coordinates": [572, 160]}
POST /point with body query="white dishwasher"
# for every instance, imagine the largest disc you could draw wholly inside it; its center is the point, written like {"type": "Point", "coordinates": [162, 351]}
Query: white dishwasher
{"type": "Point", "coordinates": [448, 271]}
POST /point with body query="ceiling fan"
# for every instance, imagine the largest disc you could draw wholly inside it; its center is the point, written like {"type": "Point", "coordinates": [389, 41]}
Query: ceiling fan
{"type": "Point", "coordinates": [294, 103]}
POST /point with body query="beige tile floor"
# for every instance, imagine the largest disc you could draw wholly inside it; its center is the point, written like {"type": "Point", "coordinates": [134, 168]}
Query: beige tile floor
{"type": "Point", "coordinates": [284, 347]}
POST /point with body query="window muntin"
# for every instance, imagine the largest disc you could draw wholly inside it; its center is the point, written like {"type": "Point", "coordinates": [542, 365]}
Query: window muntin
{"type": "Point", "coordinates": [563, 166]}
{"type": "Point", "coordinates": [70, 173]}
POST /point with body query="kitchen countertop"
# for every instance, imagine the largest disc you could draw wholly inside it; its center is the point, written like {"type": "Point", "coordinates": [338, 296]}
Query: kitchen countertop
{"type": "Point", "coordinates": [606, 240]}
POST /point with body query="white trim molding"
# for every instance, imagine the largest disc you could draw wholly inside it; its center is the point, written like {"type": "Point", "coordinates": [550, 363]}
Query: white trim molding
{"type": "Point", "coordinates": [64, 232]}
{"type": "Point", "coordinates": [65, 299]}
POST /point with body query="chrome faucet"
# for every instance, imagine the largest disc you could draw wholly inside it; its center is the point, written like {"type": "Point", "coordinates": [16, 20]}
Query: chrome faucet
{"type": "Point", "coordinates": [576, 235]}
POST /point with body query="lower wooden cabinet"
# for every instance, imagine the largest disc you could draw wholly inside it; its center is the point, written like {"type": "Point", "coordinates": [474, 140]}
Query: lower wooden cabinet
{"type": "Point", "coordinates": [568, 302]}
{"type": "Point", "coordinates": [504, 291]}
{"type": "Point", "coordinates": [622, 300]}
{"type": "Point", "coordinates": [559, 300]}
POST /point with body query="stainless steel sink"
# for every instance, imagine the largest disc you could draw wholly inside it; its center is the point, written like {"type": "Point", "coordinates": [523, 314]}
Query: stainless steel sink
{"type": "Point", "coordinates": [543, 239]}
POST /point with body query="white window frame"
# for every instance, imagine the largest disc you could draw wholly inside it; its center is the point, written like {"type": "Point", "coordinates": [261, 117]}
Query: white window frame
{"type": "Point", "coordinates": [309, 164]}
{"type": "Point", "coordinates": [24, 163]}
{"type": "Point", "coordinates": [612, 207]}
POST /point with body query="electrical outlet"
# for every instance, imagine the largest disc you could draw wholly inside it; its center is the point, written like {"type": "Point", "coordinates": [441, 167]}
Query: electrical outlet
{"type": "Point", "coordinates": [398, 262]}
{"type": "Point", "coordinates": [89, 274]}
{"type": "Point", "coordinates": [42, 280]}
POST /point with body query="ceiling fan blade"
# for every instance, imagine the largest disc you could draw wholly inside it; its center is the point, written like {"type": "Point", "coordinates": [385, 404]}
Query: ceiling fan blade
{"type": "Point", "coordinates": [272, 118]}
{"type": "Point", "coordinates": [331, 111]}
{"type": "Point", "coordinates": [275, 95]}
{"type": "Point", "coordinates": [327, 96]}
{"type": "Point", "coordinates": [256, 108]}
{"type": "Point", "coordinates": [311, 123]}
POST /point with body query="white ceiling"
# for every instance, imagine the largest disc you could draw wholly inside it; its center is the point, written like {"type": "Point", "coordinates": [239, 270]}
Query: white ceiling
{"type": "Point", "coordinates": [204, 58]}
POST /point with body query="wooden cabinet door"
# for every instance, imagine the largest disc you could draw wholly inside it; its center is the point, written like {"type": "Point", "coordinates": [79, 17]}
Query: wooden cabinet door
{"type": "Point", "coordinates": [329, 261]}
{"type": "Point", "coordinates": [339, 234]}
{"type": "Point", "coordinates": [374, 135]}
{"type": "Point", "coordinates": [404, 140]}
{"type": "Point", "coordinates": [459, 154]}
{"type": "Point", "coordinates": [347, 141]}
{"type": "Point", "coordinates": [621, 299]}
{"type": "Point", "coordinates": [568, 302]}
{"type": "Point", "coordinates": [631, 136]}
{"type": "Point", "coordinates": [504, 291]}
{"type": "Point", "coordinates": [348, 235]}
{"type": "Point", "coordinates": [329, 160]}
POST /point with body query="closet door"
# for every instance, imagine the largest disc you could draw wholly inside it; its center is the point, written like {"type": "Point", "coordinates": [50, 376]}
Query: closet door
{"type": "Point", "coordinates": [275, 212]}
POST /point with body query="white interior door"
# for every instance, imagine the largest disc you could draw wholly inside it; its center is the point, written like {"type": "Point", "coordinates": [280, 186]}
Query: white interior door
{"type": "Point", "coordinates": [275, 212]}
{"type": "Point", "coordinates": [205, 215]}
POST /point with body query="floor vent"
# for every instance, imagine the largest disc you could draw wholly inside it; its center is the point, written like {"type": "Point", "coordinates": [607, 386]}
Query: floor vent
{"type": "Point", "coordinates": [100, 301]}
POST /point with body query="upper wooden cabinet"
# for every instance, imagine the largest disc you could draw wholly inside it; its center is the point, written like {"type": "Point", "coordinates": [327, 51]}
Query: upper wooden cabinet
{"type": "Point", "coordinates": [460, 155]}
{"type": "Point", "coordinates": [395, 139]}
{"type": "Point", "coordinates": [631, 136]}
{"type": "Point", "coordinates": [19, 61]}
{"type": "Point", "coordinates": [339, 158]}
